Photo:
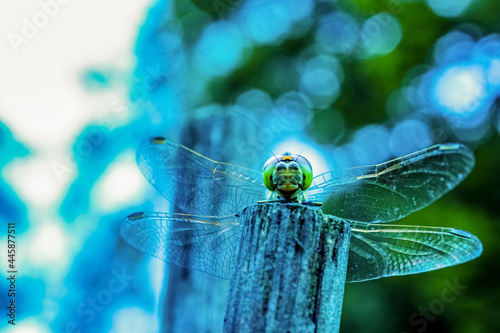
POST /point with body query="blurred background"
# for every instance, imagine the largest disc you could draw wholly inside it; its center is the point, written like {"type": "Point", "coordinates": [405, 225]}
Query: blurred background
{"type": "Point", "coordinates": [346, 83]}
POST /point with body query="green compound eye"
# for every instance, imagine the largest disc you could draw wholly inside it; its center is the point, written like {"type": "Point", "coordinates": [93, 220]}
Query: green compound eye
{"type": "Point", "coordinates": [307, 172]}
{"type": "Point", "coordinates": [268, 173]}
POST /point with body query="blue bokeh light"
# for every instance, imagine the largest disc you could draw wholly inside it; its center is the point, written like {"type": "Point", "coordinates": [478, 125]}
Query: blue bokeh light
{"type": "Point", "coordinates": [408, 136]}
{"type": "Point", "coordinates": [265, 22]}
{"type": "Point", "coordinates": [462, 86]}
{"type": "Point", "coordinates": [380, 35]}
{"type": "Point", "coordinates": [487, 48]}
{"type": "Point", "coordinates": [371, 142]}
{"type": "Point", "coordinates": [453, 47]}
{"type": "Point", "coordinates": [493, 73]}
{"type": "Point", "coordinates": [220, 48]}
{"type": "Point", "coordinates": [321, 79]}
{"type": "Point", "coordinates": [449, 8]}
{"type": "Point", "coordinates": [255, 100]}
{"type": "Point", "coordinates": [297, 9]}
{"type": "Point", "coordinates": [338, 33]}
{"type": "Point", "coordinates": [292, 113]}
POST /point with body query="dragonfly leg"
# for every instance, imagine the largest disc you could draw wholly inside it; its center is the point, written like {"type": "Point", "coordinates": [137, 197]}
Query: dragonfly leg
{"type": "Point", "coordinates": [312, 203]}
{"type": "Point", "coordinates": [281, 200]}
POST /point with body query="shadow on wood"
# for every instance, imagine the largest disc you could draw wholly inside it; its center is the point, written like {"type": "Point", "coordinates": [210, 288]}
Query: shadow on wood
{"type": "Point", "coordinates": [290, 271]}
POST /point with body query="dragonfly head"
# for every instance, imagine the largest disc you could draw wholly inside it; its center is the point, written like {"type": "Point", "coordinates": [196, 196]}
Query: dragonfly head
{"type": "Point", "coordinates": [287, 175]}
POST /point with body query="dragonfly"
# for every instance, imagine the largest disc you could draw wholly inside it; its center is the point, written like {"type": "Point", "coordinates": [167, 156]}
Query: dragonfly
{"type": "Point", "coordinates": [211, 194]}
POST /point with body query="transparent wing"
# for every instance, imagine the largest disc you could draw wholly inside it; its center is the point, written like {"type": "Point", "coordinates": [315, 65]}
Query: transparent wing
{"type": "Point", "coordinates": [378, 250]}
{"type": "Point", "coordinates": [195, 183]}
{"type": "Point", "coordinates": [197, 242]}
{"type": "Point", "coordinates": [392, 190]}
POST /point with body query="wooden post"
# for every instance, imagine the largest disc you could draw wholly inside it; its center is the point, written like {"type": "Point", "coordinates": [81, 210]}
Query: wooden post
{"type": "Point", "coordinates": [290, 270]}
